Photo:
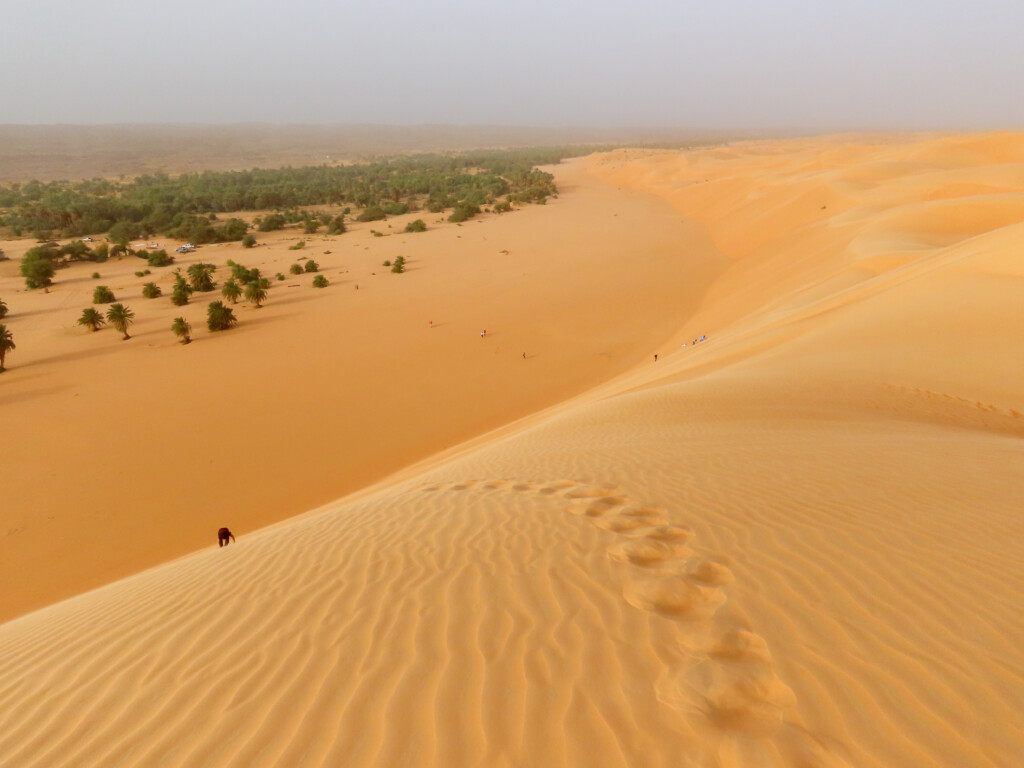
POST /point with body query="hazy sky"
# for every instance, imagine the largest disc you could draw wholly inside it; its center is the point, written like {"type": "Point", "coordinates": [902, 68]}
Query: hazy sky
{"type": "Point", "coordinates": [810, 65]}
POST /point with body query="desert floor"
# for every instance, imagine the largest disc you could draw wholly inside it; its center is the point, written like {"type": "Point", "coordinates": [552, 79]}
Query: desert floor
{"type": "Point", "coordinates": [796, 543]}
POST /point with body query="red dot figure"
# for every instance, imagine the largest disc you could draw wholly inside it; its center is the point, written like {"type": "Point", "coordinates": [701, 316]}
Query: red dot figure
{"type": "Point", "coordinates": [524, 355]}
{"type": "Point", "coordinates": [431, 323]}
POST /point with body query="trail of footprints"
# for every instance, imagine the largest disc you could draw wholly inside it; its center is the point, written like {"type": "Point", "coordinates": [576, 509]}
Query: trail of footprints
{"type": "Point", "coordinates": [724, 678]}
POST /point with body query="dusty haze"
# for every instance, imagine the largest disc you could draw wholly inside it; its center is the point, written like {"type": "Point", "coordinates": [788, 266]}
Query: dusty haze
{"type": "Point", "coordinates": [787, 65]}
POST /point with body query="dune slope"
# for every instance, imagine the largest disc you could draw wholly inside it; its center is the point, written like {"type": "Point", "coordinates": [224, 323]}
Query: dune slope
{"type": "Point", "coordinates": [794, 544]}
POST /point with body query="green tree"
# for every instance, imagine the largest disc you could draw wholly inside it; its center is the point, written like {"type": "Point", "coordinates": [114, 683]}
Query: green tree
{"type": "Point", "coordinates": [102, 295]}
{"type": "Point", "coordinates": [37, 267]}
{"type": "Point", "coordinates": [219, 317]}
{"type": "Point", "coordinates": [182, 330]}
{"type": "Point", "coordinates": [256, 293]}
{"type": "Point", "coordinates": [248, 241]}
{"type": "Point", "coordinates": [151, 290]}
{"type": "Point", "coordinates": [91, 319]}
{"type": "Point", "coordinates": [231, 291]}
{"type": "Point", "coordinates": [320, 282]}
{"type": "Point", "coordinates": [200, 277]}
{"type": "Point", "coordinates": [6, 344]}
{"type": "Point", "coordinates": [180, 292]}
{"type": "Point", "coordinates": [121, 317]}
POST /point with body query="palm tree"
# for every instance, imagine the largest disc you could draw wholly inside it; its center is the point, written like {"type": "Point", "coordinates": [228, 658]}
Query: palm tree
{"type": "Point", "coordinates": [91, 319]}
{"type": "Point", "coordinates": [182, 329]}
{"type": "Point", "coordinates": [6, 344]}
{"type": "Point", "coordinates": [200, 276]}
{"type": "Point", "coordinates": [121, 317]}
{"type": "Point", "coordinates": [231, 291]}
{"type": "Point", "coordinates": [219, 317]}
{"type": "Point", "coordinates": [3, 308]}
{"type": "Point", "coordinates": [256, 292]}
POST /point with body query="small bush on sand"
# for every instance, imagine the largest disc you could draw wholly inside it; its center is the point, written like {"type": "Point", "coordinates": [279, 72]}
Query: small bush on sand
{"type": "Point", "coordinates": [181, 329]}
{"type": "Point", "coordinates": [219, 317]}
{"type": "Point", "coordinates": [312, 266]}
{"type": "Point", "coordinates": [151, 291]}
{"type": "Point", "coordinates": [102, 295]}
{"type": "Point", "coordinates": [320, 282]}
{"type": "Point", "coordinates": [248, 241]}
{"type": "Point", "coordinates": [295, 269]}
{"type": "Point", "coordinates": [416, 226]}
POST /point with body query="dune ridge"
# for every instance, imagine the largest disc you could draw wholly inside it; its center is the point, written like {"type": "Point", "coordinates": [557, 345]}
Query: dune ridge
{"type": "Point", "coordinates": [794, 544]}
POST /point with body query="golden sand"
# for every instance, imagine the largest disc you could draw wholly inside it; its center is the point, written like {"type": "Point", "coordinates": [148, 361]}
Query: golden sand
{"type": "Point", "coordinates": [796, 543]}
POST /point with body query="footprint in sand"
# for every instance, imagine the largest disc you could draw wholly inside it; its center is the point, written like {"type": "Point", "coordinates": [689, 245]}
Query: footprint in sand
{"type": "Point", "coordinates": [727, 682]}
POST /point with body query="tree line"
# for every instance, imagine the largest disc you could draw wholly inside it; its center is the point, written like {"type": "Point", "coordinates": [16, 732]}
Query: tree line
{"type": "Point", "coordinates": [185, 206]}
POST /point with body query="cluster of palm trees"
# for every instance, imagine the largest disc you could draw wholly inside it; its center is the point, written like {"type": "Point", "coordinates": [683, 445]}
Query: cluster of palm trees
{"type": "Point", "coordinates": [200, 278]}
{"type": "Point", "coordinates": [118, 315]}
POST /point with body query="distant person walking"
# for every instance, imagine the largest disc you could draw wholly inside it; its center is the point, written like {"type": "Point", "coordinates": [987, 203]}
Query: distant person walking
{"type": "Point", "coordinates": [483, 333]}
{"type": "Point", "coordinates": [655, 357]}
{"type": "Point", "coordinates": [223, 535]}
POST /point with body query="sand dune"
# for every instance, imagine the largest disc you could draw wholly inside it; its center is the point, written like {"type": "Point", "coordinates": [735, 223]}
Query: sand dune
{"type": "Point", "coordinates": [794, 544]}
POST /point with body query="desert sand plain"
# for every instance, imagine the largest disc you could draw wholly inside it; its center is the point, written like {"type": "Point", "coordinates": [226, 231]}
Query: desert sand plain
{"type": "Point", "coordinates": [797, 543]}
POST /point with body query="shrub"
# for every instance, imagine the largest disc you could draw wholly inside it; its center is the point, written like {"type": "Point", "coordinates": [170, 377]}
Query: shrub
{"type": "Point", "coordinates": [151, 291]}
{"type": "Point", "coordinates": [311, 226]}
{"type": "Point", "coordinates": [387, 263]}
{"type": "Point", "coordinates": [464, 211]}
{"type": "Point", "coordinates": [102, 295]}
{"type": "Point", "coordinates": [95, 275]}
{"type": "Point", "coordinates": [140, 273]}
{"type": "Point", "coordinates": [503, 207]}
{"type": "Point", "coordinates": [100, 253]}
{"type": "Point", "coordinates": [248, 241]}
{"type": "Point", "coordinates": [298, 246]}
{"type": "Point", "coordinates": [279, 276]}
{"type": "Point", "coordinates": [371, 213]}
{"type": "Point", "coordinates": [395, 209]}
{"type": "Point", "coordinates": [272, 222]}
{"type": "Point", "coordinates": [159, 258]}
{"type": "Point", "coordinates": [312, 266]}
{"type": "Point", "coordinates": [3, 309]}
{"type": "Point", "coordinates": [399, 265]}
{"type": "Point", "coordinates": [181, 329]}
{"type": "Point", "coordinates": [416, 226]}
{"type": "Point", "coordinates": [320, 282]}
{"type": "Point", "coordinates": [219, 317]}
{"type": "Point", "coordinates": [295, 269]}
{"type": "Point", "coordinates": [336, 226]}
{"type": "Point", "coordinates": [231, 291]}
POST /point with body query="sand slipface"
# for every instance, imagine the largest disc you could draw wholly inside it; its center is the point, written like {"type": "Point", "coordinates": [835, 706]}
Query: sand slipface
{"type": "Point", "coordinates": [793, 544]}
